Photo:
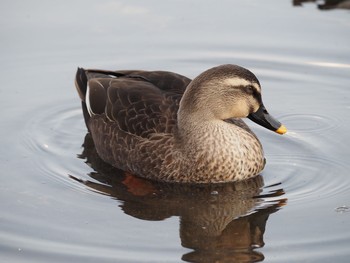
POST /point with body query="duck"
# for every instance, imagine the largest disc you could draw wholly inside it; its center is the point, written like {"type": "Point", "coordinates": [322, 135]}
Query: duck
{"type": "Point", "coordinates": [165, 127]}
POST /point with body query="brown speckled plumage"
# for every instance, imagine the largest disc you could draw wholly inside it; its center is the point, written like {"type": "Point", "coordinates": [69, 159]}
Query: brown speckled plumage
{"type": "Point", "coordinates": [163, 126]}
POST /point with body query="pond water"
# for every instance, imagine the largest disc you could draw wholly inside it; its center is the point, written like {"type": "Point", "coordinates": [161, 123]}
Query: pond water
{"type": "Point", "coordinates": [60, 203]}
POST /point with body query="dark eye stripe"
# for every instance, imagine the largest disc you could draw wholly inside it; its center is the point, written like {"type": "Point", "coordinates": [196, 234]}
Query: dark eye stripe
{"type": "Point", "coordinates": [251, 90]}
{"type": "Point", "coordinates": [257, 95]}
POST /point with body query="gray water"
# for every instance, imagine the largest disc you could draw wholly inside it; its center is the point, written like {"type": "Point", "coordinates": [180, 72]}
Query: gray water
{"type": "Point", "coordinates": [60, 203]}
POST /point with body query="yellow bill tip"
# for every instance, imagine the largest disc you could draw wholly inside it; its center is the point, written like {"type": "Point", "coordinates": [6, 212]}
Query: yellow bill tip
{"type": "Point", "coordinates": [281, 130]}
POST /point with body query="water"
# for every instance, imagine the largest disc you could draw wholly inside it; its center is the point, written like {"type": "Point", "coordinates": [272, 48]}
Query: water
{"type": "Point", "coordinates": [59, 203]}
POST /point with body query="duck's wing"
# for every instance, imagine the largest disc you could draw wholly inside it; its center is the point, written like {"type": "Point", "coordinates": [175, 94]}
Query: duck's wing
{"type": "Point", "coordinates": [139, 102]}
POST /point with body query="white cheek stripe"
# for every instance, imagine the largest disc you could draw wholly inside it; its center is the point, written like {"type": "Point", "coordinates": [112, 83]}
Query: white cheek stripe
{"type": "Point", "coordinates": [241, 82]}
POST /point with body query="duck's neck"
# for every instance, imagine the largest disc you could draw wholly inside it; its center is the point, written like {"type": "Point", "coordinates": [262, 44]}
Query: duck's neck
{"type": "Point", "coordinates": [204, 133]}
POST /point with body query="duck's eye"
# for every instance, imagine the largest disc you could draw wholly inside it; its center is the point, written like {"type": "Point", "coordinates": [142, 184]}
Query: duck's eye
{"type": "Point", "coordinates": [249, 89]}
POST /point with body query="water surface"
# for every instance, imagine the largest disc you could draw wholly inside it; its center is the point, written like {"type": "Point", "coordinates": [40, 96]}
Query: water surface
{"type": "Point", "coordinates": [61, 203]}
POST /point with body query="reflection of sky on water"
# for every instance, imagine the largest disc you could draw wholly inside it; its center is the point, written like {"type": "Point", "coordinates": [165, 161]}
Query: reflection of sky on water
{"type": "Point", "coordinates": [301, 57]}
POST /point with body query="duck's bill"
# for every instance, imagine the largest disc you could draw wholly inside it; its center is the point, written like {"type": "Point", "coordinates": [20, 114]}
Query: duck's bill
{"type": "Point", "coordinates": [263, 118]}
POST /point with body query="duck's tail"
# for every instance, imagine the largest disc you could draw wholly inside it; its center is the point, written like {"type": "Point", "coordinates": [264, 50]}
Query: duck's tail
{"type": "Point", "coordinates": [81, 83]}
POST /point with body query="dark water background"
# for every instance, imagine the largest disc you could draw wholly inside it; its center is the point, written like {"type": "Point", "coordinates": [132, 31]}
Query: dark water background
{"type": "Point", "coordinates": [59, 203]}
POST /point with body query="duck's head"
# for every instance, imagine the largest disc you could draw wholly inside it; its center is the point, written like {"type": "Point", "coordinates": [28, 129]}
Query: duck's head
{"type": "Point", "coordinates": [229, 91]}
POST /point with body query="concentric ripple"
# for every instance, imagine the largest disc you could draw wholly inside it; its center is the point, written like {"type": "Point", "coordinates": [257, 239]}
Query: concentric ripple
{"type": "Point", "coordinates": [306, 178]}
{"type": "Point", "coordinates": [309, 123]}
{"type": "Point", "coordinates": [53, 138]}
{"type": "Point", "coordinates": [54, 129]}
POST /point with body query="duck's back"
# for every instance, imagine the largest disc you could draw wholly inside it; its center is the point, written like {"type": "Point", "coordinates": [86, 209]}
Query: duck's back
{"type": "Point", "coordinates": [125, 110]}
{"type": "Point", "coordinates": [139, 102]}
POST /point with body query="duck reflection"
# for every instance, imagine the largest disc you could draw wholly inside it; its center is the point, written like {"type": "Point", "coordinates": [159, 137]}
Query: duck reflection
{"type": "Point", "coordinates": [220, 223]}
{"type": "Point", "coordinates": [327, 4]}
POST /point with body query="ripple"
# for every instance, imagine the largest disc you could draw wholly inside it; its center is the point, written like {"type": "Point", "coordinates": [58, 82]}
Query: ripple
{"type": "Point", "coordinates": [309, 123]}
{"type": "Point", "coordinates": [53, 138]}
{"type": "Point", "coordinates": [56, 134]}
{"type": "Point", "coordinates": [343, 209]}
{"type": "Point", "coordinates": [54, 129]}
{"type": "Point", "coordinates": [306, 178]}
